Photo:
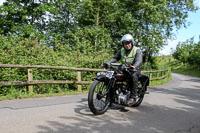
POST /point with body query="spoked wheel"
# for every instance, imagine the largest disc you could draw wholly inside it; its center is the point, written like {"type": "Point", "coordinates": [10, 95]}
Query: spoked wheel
{"type": "Point", "coordinates": [98, 99]}
{"type": "Point", "coordinates": [138, 101]}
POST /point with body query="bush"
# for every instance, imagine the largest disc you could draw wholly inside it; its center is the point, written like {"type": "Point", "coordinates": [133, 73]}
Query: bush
{"type": "Point", "coordinates": [17, 50]}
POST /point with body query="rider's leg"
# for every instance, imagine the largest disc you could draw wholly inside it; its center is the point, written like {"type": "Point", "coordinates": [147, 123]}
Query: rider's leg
{"type": "Point", "coordinates": [134, 88]}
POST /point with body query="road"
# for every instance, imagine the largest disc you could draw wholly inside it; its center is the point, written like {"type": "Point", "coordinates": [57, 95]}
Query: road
{"type": "Point", "coordinates": [170, 108]}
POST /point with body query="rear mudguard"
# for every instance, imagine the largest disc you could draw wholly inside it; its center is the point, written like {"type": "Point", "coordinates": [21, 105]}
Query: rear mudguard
{"type": "Point", "coordinates": [144, 79]}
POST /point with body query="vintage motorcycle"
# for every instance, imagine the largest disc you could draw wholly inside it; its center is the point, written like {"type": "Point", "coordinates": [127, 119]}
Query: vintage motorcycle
{"type": "Point", "coordinates": [113, 87]}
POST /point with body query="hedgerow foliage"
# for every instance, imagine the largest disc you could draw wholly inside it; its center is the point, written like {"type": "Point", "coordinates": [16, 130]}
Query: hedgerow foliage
{"type": "Point", "coordinates": [188, 52]}
{"type": "Point", "coordinates": [17, 50]}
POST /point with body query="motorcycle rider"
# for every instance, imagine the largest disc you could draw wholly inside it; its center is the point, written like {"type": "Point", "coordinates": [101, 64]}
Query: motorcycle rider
{"type": "Point", "coordinates": [131, 56]}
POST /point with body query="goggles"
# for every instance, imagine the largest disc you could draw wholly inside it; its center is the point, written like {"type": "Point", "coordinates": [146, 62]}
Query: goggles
{"type": "Point", "coordinates": [127, 42]}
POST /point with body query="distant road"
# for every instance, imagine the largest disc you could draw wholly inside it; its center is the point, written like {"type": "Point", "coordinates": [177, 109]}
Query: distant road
{"type": "Point", "coordinates": [170, 108]}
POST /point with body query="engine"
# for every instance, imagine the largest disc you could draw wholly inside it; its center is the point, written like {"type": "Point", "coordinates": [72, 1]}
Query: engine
{"type": "Point", "coordinates": [123, 98]}
{"type": "Point", "coordinates": [122, 92]}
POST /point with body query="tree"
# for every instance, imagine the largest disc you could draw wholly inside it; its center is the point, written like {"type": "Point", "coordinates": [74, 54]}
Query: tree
{"type": "Point", "coordinates": [188, 52]}
{"type": "Point", "coordinates": [150, 22]}
{"type": "Point", "coordinates": [61, 21]}
{"type": "Point", "coordinates": [88, 23]}
{"type": "Point", "coordinates": [155, 21]}
{"type": "Point", "coordinates": [23, 17]}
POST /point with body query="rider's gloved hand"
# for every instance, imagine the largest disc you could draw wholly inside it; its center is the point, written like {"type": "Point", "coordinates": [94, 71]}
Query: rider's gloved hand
{"type": "Point", "coordinates": [104, 65]}
{"type": "Point", "coordinates": [132, 67]}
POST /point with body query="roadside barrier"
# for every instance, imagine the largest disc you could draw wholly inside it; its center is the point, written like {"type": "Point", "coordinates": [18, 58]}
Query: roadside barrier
{"type": "Point", "coordinates": [153, 74]}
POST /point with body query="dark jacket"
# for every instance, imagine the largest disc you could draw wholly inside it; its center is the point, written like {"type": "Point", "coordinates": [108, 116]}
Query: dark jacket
{"type": "Point", "coordinates": [137, 61]}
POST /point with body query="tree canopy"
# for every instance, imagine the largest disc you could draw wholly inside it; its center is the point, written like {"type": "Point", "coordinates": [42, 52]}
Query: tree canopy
{"type": "Point", "coordinates": [95, 25]}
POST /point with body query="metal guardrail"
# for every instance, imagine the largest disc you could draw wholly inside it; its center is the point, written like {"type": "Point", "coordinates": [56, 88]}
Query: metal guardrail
{"type": "Point", "coordinates": [30, 82]}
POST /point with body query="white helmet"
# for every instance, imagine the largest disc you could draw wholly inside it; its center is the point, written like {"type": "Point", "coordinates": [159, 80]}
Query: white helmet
{"type": "Point", "coordinates": [127, 38]}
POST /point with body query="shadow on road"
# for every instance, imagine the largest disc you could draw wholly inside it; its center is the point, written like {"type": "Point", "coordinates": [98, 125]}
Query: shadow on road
{"type": "Point", "coordinates": [157, 117]}
{"type": "Point", "coordinates": [147, 118]}
{"type": "Point", "coordinates": [193, 80]}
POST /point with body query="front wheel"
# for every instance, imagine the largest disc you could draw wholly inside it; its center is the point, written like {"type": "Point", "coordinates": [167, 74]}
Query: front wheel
{"type": "Point", "coordinates": [98, 99]}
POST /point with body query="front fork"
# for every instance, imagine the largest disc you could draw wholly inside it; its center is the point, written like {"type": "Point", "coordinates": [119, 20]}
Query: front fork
{"type": "Point", "coordinates": [109, 85]}
{"type": "Point", "coordinates": [110, 91]}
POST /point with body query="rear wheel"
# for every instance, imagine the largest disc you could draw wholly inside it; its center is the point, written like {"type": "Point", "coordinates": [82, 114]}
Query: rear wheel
{"type": "Point", "coordinates": [98, 99]}
{"type": "Point", "coordinates": [138, 101]}
{"type": "Point", "coordinates": [140, 98]}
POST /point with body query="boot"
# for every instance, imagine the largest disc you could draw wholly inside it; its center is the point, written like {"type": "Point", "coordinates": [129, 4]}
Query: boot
{"type": "Point", "coordinates": [132, 98]}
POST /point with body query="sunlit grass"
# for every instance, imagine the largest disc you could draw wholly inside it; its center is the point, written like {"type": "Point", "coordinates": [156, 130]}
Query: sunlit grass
{"type": "Point", "coordinates": [177, 67]}
{"type": "Point", "coordinates": [35, 95]}
{"type": "Point", "coordinates": [191, 71]}
{"type": "Point", "coordinates": [160, 82]}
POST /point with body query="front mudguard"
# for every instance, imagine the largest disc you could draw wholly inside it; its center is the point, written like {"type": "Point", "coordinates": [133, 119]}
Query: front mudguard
{"type": "Point", "coordinates": [101, 78]}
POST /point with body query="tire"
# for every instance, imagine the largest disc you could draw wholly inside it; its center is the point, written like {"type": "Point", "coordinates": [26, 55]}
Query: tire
{"type": "Point", "coordinates": [98, 101]}
{"type": "Point", "coordinates": [139, 101]}
{"type": "Point", "coordinates": [141, 96]}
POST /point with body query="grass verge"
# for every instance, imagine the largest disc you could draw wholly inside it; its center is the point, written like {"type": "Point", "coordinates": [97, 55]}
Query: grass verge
{"type": "Point", "coordinates": [35, 95]}
{"type": "Point", "coordinates": [191, 71]}
{"type": "Point", "coordinates": [160, 82]}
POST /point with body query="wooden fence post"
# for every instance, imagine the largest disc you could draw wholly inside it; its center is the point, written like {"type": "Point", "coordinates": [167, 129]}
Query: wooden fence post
{"type": "Point", "coordinates": [169, 71]}
{"type": "Point", "coordinates": [79, 79]}
{"type": "Point", "coordinates": [157, 74]}
{"type": "Point", "coordinates": [150, 75]}
{"type": "Point", "coordinates": [30, 78]}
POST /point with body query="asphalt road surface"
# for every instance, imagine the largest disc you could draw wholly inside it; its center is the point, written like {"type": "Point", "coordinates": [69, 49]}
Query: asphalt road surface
{"type": "Point", "coordinates": [170, 108]}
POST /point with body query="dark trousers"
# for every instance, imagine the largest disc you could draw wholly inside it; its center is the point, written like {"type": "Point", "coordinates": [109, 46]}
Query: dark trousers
{"type": "Point", "coordinates": [134, 88]}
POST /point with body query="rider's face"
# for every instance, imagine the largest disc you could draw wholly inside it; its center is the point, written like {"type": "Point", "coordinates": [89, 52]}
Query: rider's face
{"type": "Point", "coordinates": [127, 45]}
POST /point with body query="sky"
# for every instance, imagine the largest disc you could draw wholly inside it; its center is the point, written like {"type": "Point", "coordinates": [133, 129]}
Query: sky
{"type": "Point", "coordinates": [193, 30]}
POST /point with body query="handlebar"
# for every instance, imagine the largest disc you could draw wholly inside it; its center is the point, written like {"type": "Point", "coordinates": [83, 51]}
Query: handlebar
{"type": "Point", "coordinates": [122, 66]}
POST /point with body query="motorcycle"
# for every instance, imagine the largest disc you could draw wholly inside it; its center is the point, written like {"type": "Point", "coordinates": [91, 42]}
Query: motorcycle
{"type": "Point", "coordinates": [113, 87]}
